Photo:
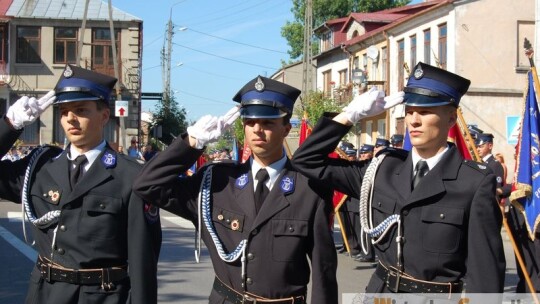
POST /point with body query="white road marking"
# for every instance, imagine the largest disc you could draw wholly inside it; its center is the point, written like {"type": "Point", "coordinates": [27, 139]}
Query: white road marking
{"type": "Point", "coordinates": [24, 248]}
{"type": "Point", "coordinates": [183, 223]}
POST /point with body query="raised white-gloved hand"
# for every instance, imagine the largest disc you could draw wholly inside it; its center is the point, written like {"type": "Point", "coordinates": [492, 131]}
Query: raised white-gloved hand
{"type": "Point", "coordinates": [209, 128]}
{"type": "Point", "coordinates": [370, 103]}
{"type": "Point", "coordinates": [27, 109]}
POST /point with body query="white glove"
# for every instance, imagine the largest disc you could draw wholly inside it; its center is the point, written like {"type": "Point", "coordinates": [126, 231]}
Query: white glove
{"type": "Point", "coordinates": [26, 110]}
{"type": "Point", "coordinates": [371, 103]}
{"type": "Point", "coordinates": [209, 128]}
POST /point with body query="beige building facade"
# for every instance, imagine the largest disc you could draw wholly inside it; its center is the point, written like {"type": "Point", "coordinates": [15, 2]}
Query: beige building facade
{"type": "Point", "coordinates": [38, 47]}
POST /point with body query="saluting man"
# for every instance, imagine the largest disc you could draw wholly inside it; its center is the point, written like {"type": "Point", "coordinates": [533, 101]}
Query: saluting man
{"type": "Point", "coordinates": [262, 221]}
{"type": "Point", "coordinates": [433, 216]}
{"type": "Point", "coordinates": [97, 241]}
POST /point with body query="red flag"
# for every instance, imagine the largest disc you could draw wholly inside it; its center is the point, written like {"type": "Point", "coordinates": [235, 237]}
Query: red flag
{"type": "Point", "coordinates": [455, 136]}
{"type": "Point", "coordinates": [246, 152]}
{"type": "Point", "coordinates": [305, 130]}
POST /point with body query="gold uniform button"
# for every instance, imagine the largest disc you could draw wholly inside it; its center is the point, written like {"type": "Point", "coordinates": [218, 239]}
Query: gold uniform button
{"type": "Point", "coordinates": [442, 216]}
{"type": "Point", "coordinates": [63, 227]}
{"type": "Point", "coordinates": [220, 217]}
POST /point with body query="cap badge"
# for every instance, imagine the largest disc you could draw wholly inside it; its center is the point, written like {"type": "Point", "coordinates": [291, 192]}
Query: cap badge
{"type": "Point", "coordinates": [68, 72]}
{"type": "Point", "coordinates": [418, 73]}
{"type": "Point", "coordinates": [259, 85]}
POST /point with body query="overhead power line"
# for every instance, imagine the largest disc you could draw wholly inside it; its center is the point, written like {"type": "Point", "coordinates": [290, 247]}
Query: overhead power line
{"type": "Point", "coordinates": [230, 59]}
{"type": "Point", "coordinates": [241, 43]}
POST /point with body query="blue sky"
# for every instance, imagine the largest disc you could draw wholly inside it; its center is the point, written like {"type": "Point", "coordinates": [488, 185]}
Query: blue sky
{"type": "Point", "coordinates": [206, 71]}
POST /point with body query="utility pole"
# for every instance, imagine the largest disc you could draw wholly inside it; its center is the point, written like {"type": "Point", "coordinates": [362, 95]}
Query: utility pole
{"type": "Point", "coordinates": [307, 66]}
{"type": "Point", "coordinates": [166, 63]}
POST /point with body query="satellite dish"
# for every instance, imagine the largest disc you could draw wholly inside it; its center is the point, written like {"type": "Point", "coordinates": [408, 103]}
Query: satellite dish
{"type": "Point", "coordinates": [373, 52]}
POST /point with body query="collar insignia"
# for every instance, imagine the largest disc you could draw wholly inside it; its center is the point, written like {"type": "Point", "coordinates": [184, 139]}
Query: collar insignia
{"type": "Point", "coordinates": [108, 159]}
{"type": "Point", "coordinates": [287, 184]}
{"type": "Point", "coordinates": [242, 181]}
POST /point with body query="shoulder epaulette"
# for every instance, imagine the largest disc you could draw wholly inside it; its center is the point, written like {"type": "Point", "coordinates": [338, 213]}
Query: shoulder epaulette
{"type": "Point", "coordinates": [394, 152]}
{"type": "Point", "coordinates": [480, 167]}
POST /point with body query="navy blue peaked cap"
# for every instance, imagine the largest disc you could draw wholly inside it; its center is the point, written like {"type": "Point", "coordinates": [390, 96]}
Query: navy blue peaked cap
{"type": "Point", "coordinates": [396, 138]}
{"type": "Point", "coordinates": [382, 142]}
{"type": "Point", "coordinates": [483, 138]}
{"type": "Point", "coordinates": [78, 84]}
{"type": "Point", "coordinates": [429, 86]}
{"type": "Point", "coordinates": [350, 152]}
{"type": "Point", "coordinates": [366, 148]}
{"type": "Point", "coordinates": [266, 98]}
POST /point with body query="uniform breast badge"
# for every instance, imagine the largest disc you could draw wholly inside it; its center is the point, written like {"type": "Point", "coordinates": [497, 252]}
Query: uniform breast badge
{"type": "Point", "coordinates": [235, 224]}
{"type": "Point", "coordinates": [54, 196]}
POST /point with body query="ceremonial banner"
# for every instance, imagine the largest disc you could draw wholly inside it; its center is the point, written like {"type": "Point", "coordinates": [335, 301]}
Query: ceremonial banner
{"type": "Point", "coordinates": [305, 130]}
{"type": "Point", "coordinates": [526, 196]}
{"type": "Point", "coordinates": [455, 136]}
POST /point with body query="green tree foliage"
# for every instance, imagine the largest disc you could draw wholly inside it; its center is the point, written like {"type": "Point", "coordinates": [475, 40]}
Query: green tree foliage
{"type": "Point", "coordinates": [316, 105]}
{"type": "Point", "coordinates": [172, 119]}
{"type": "Point", "coordinates": [324, 10]}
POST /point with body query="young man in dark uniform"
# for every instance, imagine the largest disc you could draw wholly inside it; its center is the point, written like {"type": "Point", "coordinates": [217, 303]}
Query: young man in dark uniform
{"type": "Point", "coordinates": [262, 221]}
{"type": "Point", "coordinates": [484, 147]}
{"type": "Point", "coordinates": [97, 241]}
{"type": "Point", "coordinates": [443, 223]}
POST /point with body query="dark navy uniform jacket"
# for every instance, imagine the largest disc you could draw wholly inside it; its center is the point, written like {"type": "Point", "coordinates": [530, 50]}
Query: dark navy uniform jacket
{"type": "Point", "coordinates": [291, 228]}
{"type": "Point", "coordinates": [451, 221]}
{"type": "Point", "coordinates": [102, 224]}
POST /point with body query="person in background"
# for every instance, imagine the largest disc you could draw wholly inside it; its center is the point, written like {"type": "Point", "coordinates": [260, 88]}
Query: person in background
{"type": "Point", "coordinates": [366, 152]}
{"type": "Point", "coordinates": [441, 230]}
{"type": "Point", "coordinates": [266, 226]}
{"type": "Point", "coordinates": [149, 152]}
{"type": "Point", "coordinates": [380, 144]}
{"type": "Point", "coordinates": [396, 141]}
{"type": "Point", "coordinates": [133, 149]}
{"type": "Point", "coordinates": [96, 241]}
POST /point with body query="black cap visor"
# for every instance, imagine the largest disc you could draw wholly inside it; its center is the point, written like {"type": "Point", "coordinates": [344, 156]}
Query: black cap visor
{"type": "Point", "coordinates": [260, 111]}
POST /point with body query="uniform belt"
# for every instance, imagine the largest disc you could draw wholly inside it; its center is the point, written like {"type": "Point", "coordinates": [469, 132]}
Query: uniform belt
{"type": "Point", "coordinates": [247, 298]}
{"type": "Point", "coordinates": [406, 283]}
{"type": "Point", "coordinates": [98, 276]}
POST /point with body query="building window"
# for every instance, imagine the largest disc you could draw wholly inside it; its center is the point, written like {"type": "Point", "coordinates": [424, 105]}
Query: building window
{"type": "Point", "coordinates": [3, 43]}
{"type": "Point", "coordinates": [343, 79]}
{"type": "Point", "coordinates": [326, 41]}
{"type": "Point", "coordinates": [427, 46]}
{"type": "Point", "coordinates": [65, 45]}
{"type": "Point", "coordinates": [413, 51]}
{"type": "Point", "coordinates": [400, 64]}
{"type": "Point", "coordinates": [384, 62]}
{"type": "Point", "coordinates": [381, 128]}
{"type": "Point", "coordinates": [369, 132]}
{"type": "Point", "coordinates": [442, 46]}
{"type": "Point", "coordinates": [327, 83]}
{"type": "Point", "coordinates": [102, 54]}
{"type": "Point", "coordinates": [28, 44]}
{"type": "Point", "coordinates": [364, 61]}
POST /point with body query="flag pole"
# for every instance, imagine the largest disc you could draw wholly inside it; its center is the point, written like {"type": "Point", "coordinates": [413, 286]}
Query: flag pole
{"type": "Point", "coordinates": [470, 142]}
{"type": "Point", "coordinates": [340, 223]}
{"type": "Point", "coordinates": [528, 52]}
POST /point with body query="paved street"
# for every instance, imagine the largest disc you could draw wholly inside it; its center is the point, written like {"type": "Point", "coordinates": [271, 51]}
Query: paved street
{"type": "Point", "coordinates": [181, 280]}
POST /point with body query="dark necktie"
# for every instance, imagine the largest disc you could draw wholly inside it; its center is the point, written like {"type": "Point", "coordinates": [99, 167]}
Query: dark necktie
{"type": "Point", "coordinates": [76, 173]}
{"type": "Point", "coordinates": [261, 191]}
{"type": "Point", "coordinates": [421, 169]}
